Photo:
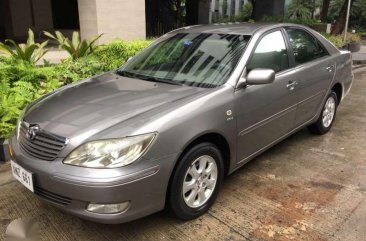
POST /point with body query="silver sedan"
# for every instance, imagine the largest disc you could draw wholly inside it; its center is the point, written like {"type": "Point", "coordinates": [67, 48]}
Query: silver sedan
{"type": "Point", "coordinates": [166, 127]}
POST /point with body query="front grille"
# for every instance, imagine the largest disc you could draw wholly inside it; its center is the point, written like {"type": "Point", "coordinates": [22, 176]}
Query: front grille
{"type": "Point", "coordinates": [52, 197]}
{"type": "Point", "coordinates": [44, 145]}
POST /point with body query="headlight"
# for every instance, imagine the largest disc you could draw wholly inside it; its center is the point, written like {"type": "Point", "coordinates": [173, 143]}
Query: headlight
{"type": "Point", "coordinates": [19, 121]}
{"type": "Point", "coordinates": [110, 153]}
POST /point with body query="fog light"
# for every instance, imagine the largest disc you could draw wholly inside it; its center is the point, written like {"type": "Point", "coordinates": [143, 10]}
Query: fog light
{"type": "Point", "coordinates": [107, 208]}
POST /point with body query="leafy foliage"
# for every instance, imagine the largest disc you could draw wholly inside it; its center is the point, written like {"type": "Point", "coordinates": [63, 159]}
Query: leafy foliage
{"type": "Point", "coordinates": [22, 82]}
{"type": "Point", "coordinates": [13, 100]}
{"type": "Point", "coordinates": [280, 19]}
{"type": "Point", "coordinates": [74, 47]}
{"type": "Point", "coordinates": [338, 40]}
{"type": "Point", "coordinates": [30, 52]}
{"type": "Point", "coordinates": [243, 16]}
{"type": "Point", "coordinates": [299, 10]}
{"type": "Point", "coordinates": [114, 54]}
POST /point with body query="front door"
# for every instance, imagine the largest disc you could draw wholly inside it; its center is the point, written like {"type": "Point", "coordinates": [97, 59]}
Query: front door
{"type": "Point", "coordinates": [266, 112]}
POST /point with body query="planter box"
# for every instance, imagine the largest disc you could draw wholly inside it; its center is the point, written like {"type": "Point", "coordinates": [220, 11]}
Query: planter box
{"type": "Point", "coordinates": [354, 46]}
{"type": "Point", "coordinates": [4, 150]}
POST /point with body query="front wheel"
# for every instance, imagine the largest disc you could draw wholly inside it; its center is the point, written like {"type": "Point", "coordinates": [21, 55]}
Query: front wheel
{"type": "Point", "coordinates": [196, 181]}
{"type": "Point", "coordinates": [326, 118]}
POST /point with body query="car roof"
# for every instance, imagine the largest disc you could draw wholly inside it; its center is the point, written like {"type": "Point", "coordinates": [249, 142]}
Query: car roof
{"type": "Point", "coordinates": [227, 28]}
{"type": "Point", "coordinates": [251, 29]}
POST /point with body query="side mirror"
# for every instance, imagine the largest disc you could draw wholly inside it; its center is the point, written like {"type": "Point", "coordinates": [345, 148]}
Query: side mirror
{"type": "Point", "coordinates": [260, 77]}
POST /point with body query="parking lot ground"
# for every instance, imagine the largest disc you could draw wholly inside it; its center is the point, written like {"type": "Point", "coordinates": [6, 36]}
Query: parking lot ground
{"type": "Point", "coordinates": [306, 188]}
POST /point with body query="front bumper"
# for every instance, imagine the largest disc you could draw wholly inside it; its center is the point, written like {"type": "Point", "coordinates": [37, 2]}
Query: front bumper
{"type": "Point", "coordinates": [72, 188]}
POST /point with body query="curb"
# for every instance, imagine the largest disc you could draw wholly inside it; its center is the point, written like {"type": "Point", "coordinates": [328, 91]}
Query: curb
{"type": "Point", "coordinates": [359, 69]}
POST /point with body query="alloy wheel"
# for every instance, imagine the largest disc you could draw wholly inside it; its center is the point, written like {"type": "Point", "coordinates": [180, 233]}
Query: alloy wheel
{"type": "Point", "coordinates": [329, 111]}
{"type": "Point", "coordinates": [199, 181]}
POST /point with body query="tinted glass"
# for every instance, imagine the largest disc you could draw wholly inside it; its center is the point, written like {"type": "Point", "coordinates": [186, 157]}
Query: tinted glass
{"type": "Point", "coordinates": [306, 48]}
{"type": "Point", "coordinates": [203, 60]}
{"type": "Point", "coordinates": [270, 53]}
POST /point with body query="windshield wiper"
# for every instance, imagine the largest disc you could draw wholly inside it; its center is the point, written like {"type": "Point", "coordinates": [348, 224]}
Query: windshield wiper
{"type": "Point", "coordinates": [147, 78]}
{"type": "Point", "coordinates": [154, 79]}
{"type": "Point", "coordinates": [124, 73]}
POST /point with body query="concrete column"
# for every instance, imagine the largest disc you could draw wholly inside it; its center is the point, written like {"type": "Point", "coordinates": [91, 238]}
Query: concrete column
{"type": "Point", "coordinates": [221, 3]}
{"type": "Point", "coordinates": [88, 18]}
{"type": "Point", "coordinates": [212, 10]}
{"type": "Point", "coordinates": [124, 19]}
{"type": "Point", "coordinates": [237, 7]}
{"type": "Point", "coordinates": [228, 10]}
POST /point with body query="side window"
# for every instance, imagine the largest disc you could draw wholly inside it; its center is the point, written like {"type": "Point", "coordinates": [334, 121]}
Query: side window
{"type": "Point", "coordinates": [270, 53]}
{"type": "Point", "coordinates": [305, 46]}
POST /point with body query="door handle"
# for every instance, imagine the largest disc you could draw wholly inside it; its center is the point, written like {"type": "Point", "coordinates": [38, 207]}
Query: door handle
{"type": "Point", "coordinates": [291, 84]}
{"type": "Point", "coordinates": [330, 68]}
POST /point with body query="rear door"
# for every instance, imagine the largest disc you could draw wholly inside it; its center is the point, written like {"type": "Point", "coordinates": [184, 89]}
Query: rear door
{"type": "Point", "coordinates": [315, 72]}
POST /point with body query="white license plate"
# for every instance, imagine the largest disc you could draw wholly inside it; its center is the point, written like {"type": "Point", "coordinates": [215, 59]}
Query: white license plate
{"type": "Point", "coordinates": [22, 175]}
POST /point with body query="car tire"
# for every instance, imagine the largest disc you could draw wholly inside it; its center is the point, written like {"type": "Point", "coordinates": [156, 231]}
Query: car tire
{"type": "Point", "coordinates": [327, 116]}
{"type": "Point", "coordinates": [196, 181]}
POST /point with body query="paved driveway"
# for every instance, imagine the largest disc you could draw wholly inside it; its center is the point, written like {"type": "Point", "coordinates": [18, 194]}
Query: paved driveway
{"type": "Point", "coordinates": [306, 188]}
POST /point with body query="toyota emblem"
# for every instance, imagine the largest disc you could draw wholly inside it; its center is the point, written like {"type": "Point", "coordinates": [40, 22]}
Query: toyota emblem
{"type": "Point", "coordinates": [32, 132]}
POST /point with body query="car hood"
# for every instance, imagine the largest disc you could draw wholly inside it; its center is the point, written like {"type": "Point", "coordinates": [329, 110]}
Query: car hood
{"type": "Point", "coordinates": [95, 104]}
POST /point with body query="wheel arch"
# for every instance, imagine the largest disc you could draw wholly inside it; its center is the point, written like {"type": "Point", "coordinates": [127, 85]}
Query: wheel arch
{"type": "Point", "coordinates": [213, 137]}
{"type": "Point", "coordinates": [338, 89]}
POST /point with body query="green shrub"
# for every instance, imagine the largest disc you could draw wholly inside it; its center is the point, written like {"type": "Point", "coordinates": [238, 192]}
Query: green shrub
{"type": "Point", "coordinates": [13, 100]}
{"type": "Point", "coordinates": [286, 19]}
{"type": "Point", "coordinates": [299, 10]}
{"type": "Point", "coordinates": [362, 34]}
{"type": "Point", "coordinates": [73, 70]}
{"type": "Point", "coordinates": [22, 82]}
{"type": "Point", "coordinates": [74, 47]}
{"type": "Point", "coordinates": [338, 40]}
{"type": "Point", "coordinates": [115, 53]}
{"type": "Point", "coordinates": [353, 37]}
{"type": "Point", "coordinates": [30, 52]}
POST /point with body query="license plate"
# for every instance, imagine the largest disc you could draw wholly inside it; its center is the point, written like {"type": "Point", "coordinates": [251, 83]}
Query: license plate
{"type": "Point", "coordinates": [23, 176]}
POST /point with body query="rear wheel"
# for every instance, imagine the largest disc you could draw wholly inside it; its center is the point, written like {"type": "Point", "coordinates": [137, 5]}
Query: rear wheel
{"type": "Point", "coordinates": [326, 118]}
{"type": "Point", "coordinates": [196, 181]}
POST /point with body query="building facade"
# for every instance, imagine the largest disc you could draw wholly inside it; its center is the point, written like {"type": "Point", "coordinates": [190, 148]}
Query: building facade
{"type": "Point", "coordinates": [125, 19]}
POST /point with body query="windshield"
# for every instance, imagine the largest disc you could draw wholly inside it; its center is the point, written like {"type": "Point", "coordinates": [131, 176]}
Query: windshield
{"type": "Point", "coordinates": [194, 59]}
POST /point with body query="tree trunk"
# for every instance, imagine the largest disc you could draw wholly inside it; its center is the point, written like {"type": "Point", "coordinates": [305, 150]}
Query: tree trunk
{"type": "Point", "coordinates": [341, 20]}
{"type": "Point", "coordinates": [324, 12]}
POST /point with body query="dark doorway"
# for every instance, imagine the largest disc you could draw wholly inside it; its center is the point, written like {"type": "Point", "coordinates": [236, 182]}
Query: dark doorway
{"type": "Point", "coordinates": [5, 20]}
{"type": "Point", "coordinates": [65, 14]}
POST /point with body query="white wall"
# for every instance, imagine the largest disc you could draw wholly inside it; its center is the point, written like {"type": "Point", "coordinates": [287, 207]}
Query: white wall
{"type": "Point", "coordinates": [123, 19]}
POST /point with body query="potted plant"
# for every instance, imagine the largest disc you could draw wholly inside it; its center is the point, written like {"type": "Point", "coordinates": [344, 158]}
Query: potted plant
{"type": "Point", "coordinates": [353, 42]}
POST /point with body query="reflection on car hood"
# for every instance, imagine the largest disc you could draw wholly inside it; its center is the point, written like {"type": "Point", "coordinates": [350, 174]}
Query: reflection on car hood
{"type": "Point", "coordinates": [101, 102]}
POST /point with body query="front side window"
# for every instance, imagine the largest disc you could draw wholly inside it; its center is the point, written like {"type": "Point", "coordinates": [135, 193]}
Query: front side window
{"type": "Point", "coordinates": [270, 53]}
{"type": "Point", "coordinates": [305, 47]}
{"type": "Point", "coordinates": [195, 59]}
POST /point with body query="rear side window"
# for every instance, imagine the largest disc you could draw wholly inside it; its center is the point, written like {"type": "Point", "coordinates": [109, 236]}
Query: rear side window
{"type": "Point", "coordinates": [306, 47]}
{"type": "Point", "coordinates": [270, 53]}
